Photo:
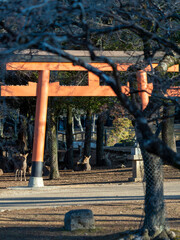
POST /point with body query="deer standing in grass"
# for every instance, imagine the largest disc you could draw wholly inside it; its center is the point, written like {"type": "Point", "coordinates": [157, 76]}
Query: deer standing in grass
{"type": "Point", "coordinates": [20, 166]}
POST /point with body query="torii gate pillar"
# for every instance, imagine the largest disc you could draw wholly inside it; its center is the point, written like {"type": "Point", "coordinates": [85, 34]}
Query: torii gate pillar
{"type": "Point", "coordinates": [142, 87]}
{"type": "Point", "coordinates": [36, 179]}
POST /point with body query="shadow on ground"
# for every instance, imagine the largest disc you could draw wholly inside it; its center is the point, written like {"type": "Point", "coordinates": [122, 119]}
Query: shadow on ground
{"type": "Point", "coordinates": [53, 233]}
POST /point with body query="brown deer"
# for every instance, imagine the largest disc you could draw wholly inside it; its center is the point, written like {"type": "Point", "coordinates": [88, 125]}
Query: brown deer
{"type": "Point", "coordinates": [20, 166]}
{"type": "Point", "coordinates": [84, 165]}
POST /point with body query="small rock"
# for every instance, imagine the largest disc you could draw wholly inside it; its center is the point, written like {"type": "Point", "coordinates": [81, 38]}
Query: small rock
{"type": "Point", "coordinates": [79, 219]}
{"type": "Point", "coordinates": [170, 234]}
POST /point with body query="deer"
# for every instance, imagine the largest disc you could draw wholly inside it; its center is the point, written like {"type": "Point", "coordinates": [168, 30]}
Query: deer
{"type": "Point", "coordinates": [83, 165]}
{"type": "Point", "coordinates": [20, 166]}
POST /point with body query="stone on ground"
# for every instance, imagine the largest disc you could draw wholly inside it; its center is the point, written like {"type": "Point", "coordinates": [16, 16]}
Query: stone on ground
{"type": "Point", "coordinates": [79, 219]}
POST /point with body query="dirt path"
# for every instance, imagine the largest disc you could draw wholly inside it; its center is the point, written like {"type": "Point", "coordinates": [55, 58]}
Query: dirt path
{"type": "Point", "coordinates": [111, 218]}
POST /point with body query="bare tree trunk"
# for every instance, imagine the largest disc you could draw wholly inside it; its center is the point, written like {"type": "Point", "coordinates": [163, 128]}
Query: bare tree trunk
{"type": "Point", "coordinates": [154, 196]}
{"type": "Point", "coordinates": [73, 131]}
{"type": "Point", "coordinates": [154, 206]}
{"type": "Point", "coordinates": [22, 139]}
{"type": "Point", "coordinates": [53, 143]}
{"type": "Point", "coordinates": [99, 141]}
{"type": "Point", "coordinates": [168, 135]}
{"type": "Point", "coordinates": [78, 119]}
{"type": "Point", "coordinates": [69, 139]}
{"type": "Point", "coordinates": [94, 124]}
{"type": "Point", "coordinates": [30, 132]}
{"type": "Point", "coordinates": [88, 130]}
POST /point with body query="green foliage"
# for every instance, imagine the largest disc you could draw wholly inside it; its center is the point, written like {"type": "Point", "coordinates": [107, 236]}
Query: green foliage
{"type": "Point", "coordinates": [70, 78]}
{"type": "Point", "coordinates": [78, 104]}
{"type": "Point", "coordinates": [122, 132]}
{"type": "Point", "coordinates": [118, 41]}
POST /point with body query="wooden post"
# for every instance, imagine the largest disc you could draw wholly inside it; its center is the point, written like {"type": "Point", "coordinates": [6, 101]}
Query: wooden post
{"type": "Point", "coordinates": [142, 87]}
{"type": "Point", "coordinates": [36, 179]}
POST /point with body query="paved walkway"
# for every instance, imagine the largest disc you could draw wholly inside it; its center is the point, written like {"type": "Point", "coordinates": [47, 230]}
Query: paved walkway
{"type": "Point", "coordinates": [23, 197]}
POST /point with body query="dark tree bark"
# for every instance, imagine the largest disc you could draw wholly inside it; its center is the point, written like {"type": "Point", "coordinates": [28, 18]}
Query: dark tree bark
{"type": "Point", "coordinates": [22, 135]}
{"type": "Point", "coordinates": [99, 141]}
{"type": "Point", "coordinates": [88, 131]}
{"type": "Point", "coordinates": [69, 139]}
{"type": "Point", "coordinates": [30, 132]}
{"type": "Point", "coordinates": [154, 206]}
{"type": "Point", "coordinates": [53, 143]}
{"type": "Point", "coordinates": [168, 135]}
{"type": "Point", "coordinates": [154, 197]}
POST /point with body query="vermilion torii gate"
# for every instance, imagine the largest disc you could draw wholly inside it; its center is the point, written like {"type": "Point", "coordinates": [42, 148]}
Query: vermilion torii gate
{"type": "Point", "coordinates": [44, 88]}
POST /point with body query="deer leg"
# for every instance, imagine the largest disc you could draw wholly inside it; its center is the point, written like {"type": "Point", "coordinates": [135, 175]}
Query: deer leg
{"type": "Point", "coordinates": [21, 175]}
{"type": "Point", "coordinates": [25, 176]}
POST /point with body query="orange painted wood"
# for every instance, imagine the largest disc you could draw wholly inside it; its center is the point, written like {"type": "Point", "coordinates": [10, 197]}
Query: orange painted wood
{"type": "Point", "coordinates": [56, 90]}
{"type": "Point", "coordinates": [19, 91]}
{"type": "Point", "coordinates": [35, 66]}
{"type": "Point", "coordinates": [89, 91]}
{"type": "Point", "coordinates": [142, 87]}
{"type": "Point", "coordinates": [39, 66]}
{"type": "Point", "coordinates": [173, 92]}
{"type": "Point", "coordinates": [40, 117]}
{"type": "Point", "coordinates": [93, 80]}
{"type": "Point", "coordinates": [105, 67]}
{"type": "Point", "coordinates": [77, 91]}
{"type": "Point", "coordinates": [149, 88]}
{"type": "Point", "coordinates": [174, 68]}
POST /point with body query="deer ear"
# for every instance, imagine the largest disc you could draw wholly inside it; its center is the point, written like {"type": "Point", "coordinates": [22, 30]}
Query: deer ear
{"type": "Point", "coordinates": [26, 154]}
{"type": "Point", "coordinates": [21, 154]}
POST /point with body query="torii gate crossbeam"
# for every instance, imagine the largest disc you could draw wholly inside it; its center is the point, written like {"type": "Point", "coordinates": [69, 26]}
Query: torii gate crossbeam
{"type": "Point", "coordinates": [43, 89]}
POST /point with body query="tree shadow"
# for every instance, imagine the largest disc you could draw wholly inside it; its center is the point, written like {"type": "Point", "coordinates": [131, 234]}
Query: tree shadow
{"type": "Point", "coordinates": [55, 233]}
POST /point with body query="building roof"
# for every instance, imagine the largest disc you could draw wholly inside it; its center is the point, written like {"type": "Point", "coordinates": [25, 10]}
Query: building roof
{"type": "Point", "coordinates": [35, 55]}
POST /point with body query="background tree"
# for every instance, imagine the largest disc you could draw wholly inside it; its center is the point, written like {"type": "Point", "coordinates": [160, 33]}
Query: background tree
{"type": "Point", "coordinates": [100, 139]}
{"type": "Point", "coordinates": [69, 138]}
{"type": "Point", "coordinates": [52, 139]}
